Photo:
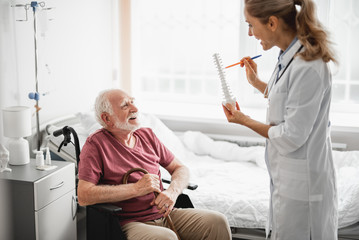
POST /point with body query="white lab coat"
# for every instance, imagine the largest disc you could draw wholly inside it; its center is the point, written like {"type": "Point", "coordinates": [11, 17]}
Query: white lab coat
{"type": "Point", "coordinates": [298, 152]}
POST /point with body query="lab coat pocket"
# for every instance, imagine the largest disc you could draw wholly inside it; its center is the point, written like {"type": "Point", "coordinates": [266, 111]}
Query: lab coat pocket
{"type": "Point", "coordinates": [294, 182]}
{"type": "Point", "coordinates": [276, 105]}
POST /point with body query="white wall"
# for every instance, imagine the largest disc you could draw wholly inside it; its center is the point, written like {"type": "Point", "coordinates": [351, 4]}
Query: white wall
{"type": "Point", "coordinates": [80, 49]}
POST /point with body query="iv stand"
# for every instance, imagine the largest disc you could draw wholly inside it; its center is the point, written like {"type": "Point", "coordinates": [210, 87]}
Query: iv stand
{"type": "Point", "coordinates": [34, 5]}
{"type": "Point", "coordinates": [36, 96]}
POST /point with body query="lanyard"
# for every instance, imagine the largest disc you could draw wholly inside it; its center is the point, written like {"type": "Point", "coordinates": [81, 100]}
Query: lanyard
{"type": "Point", "coordinates": [266, 91]}
{"type": "Point", "coordinates": [291, 60]}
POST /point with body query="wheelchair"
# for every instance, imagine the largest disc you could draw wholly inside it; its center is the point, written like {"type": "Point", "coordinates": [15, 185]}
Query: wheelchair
{"type": "Point", "coordinates": [102, 220]}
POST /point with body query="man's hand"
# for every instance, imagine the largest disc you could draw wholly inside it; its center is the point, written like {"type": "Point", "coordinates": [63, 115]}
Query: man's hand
{"type": "Point", "coordinates": [147, 184]}
{"type": "Point", "coordinates": [165, 202]}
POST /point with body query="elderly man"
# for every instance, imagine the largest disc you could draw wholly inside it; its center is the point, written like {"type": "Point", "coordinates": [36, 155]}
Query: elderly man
{"type": "Point", "coordinates": [122, 145]}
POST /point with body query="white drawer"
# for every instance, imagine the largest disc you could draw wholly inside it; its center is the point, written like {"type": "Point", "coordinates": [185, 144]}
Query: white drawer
{"type": "Point", "coordinates": [57, 221]}
{"type": "Point", "coordinates": [53, 186]}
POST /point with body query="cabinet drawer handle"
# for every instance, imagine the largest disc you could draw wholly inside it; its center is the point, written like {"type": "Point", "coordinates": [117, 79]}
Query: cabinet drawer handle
{"type": "Point", "coordinates": [74, 212]}
{"type": "Point", "coordinates": [58, 186]}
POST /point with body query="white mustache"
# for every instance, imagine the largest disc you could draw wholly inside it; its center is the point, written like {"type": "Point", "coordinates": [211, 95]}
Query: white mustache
{"type": "Point", "coordinates": [132, 115]}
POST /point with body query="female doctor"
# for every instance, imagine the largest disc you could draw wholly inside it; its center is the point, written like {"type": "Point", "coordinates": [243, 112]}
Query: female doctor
{"type": "Point", "coordinates": [298, 155]}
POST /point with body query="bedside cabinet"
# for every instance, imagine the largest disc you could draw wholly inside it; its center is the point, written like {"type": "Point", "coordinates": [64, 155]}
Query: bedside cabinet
{"type": "Point", "coordinates": [43, 203]}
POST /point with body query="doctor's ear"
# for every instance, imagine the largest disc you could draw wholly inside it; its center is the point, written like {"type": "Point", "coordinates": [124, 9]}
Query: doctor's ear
{"type": "Point", "coordinates": [273, 23]}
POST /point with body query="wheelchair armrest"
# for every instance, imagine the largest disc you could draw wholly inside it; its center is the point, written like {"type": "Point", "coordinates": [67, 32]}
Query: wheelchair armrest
{"type": "Point", "coordinates": [106, 207]}
{"type": "Point", "coordinates": [190, 186]}
{"type": "Point", "coordinates": [183, 201]}
{"type": "Point", "coordinates": [102, 222]}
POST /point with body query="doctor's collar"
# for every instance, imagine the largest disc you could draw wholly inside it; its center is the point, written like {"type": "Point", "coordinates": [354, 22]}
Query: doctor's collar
{"type": "Point", "coordinates": [282, 53]}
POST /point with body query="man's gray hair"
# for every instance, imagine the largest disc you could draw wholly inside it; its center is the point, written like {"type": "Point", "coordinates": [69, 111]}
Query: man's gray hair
{"type": "Point", "coordinates": [102, 104]}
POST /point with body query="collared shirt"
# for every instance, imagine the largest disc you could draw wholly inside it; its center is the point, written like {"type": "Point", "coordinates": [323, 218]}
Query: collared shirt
{"type": "Point", "coordinates": [284, 59]}
{"type": "Point", "coordinates": [281, 63]}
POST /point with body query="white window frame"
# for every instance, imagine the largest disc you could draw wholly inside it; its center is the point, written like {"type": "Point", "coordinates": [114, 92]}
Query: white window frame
{"type": "Point", "coordinates": [342, 113]}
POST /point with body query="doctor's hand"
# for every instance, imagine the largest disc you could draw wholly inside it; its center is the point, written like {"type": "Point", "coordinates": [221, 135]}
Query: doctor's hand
{"type": "Point", "coordinates": [165, 202]}
{"type": "Point", "coordinates": [251, 70]}
{"type": "Point", "coordinates": [234, 115]}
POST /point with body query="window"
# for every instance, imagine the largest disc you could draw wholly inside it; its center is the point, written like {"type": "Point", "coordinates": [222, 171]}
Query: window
{"type": "Point", "coordinates": [173, 43]}
{"type": "Point", "coordinates": [344, 26]}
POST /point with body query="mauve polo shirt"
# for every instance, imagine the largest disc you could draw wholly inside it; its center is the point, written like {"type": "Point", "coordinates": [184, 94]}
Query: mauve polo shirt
{"type": "Point", "coordinates": [104, 160]}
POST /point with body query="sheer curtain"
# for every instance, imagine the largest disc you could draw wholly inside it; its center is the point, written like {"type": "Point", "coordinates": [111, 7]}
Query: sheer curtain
{"type": "Point", "coordinates": [173, 42]}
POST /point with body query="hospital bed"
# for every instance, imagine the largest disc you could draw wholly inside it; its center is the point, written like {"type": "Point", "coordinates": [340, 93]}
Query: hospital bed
{"type": "Point", "coordinates": [232, 179]}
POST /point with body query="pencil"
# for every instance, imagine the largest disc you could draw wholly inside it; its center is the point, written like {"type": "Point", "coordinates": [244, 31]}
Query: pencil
{"type": "Point", "coordinates": [242, 62]}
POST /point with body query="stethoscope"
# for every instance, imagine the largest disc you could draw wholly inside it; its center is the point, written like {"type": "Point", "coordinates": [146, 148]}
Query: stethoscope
{"type": "Point", "coordinates": [267, 90]}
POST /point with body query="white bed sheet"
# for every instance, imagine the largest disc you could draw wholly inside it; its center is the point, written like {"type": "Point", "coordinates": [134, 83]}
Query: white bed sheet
{"type": "Point", "coordinates": [240, 190]}
{"type": "Point", "coordinates": [247, 180]}
{"type": "Point", "coordinates": [233, 179]}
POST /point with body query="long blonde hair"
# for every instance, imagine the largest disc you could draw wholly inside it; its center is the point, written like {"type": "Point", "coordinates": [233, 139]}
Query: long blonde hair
{"type": "Point", "coordinates": [304, 23]}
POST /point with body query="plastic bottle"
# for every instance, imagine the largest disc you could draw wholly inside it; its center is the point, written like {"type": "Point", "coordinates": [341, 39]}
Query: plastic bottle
{"type": "Point", "coordinates": [39, 159]}
{"type": "Point", "coordinates": [48, 156]}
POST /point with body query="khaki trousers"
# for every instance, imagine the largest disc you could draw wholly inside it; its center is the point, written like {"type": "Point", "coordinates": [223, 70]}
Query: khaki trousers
{"type": "Point", "coordinates": [190, 223]}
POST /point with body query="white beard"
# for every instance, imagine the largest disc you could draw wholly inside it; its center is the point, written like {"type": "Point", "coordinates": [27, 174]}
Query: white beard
{"type": "Point", "coordinates": [128, 126]}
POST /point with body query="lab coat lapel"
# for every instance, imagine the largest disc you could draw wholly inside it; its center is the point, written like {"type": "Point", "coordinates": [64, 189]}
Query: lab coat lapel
{"type": "Point", "coordinates": [286, 57]}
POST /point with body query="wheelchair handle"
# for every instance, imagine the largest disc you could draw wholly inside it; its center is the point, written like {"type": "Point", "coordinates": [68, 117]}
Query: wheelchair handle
{"type": "Point", "coordinates": [168, 218]}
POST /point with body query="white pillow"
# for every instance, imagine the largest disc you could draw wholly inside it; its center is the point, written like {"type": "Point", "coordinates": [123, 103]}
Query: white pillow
{"type": "Point", "coordinates": [88, 122]}
{"type": "Point", "coordinates": [201, 144]}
